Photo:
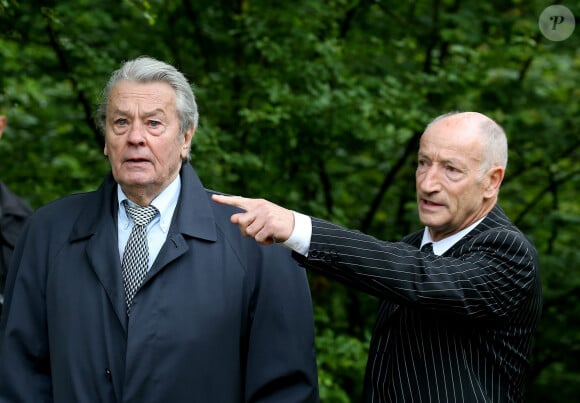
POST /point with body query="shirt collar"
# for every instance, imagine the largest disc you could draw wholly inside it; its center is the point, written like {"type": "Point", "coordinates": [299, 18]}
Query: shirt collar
{"type": "Point", "coordinates": [442, 246]}
{"type": "Point", "coordinates": [165, 203]}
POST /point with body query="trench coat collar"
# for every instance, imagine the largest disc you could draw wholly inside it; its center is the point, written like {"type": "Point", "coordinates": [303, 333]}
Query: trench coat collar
{"type": "Point", "coordinates": [194, 215]}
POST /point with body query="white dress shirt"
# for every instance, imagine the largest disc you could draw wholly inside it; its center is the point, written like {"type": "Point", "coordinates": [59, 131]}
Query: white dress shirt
{"type": "Point", "coordinates": [299, 240]}
{"type": "Point", "coordinates": [442, 246]}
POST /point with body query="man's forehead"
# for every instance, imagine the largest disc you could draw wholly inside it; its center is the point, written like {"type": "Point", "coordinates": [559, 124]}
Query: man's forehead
{"type": "Point", "coordinates": [149, 96]}
{"type": "Point", "coordinates": [152, 90]}
{"type": "Point", "coordinates": [444, 147]}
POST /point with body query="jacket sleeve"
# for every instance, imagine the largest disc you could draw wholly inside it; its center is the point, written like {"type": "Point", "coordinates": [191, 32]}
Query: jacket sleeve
{"type": "Point", "coordinates": [487, 278]}
{"type": "Point", "coordinates": [281, 357]}
{"type": "Point", "coordinates": [24, 361]}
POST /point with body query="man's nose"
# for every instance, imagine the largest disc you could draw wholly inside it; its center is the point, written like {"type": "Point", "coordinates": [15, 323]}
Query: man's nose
{"type": "Point", "coordinates": [136, 132]}
{"type": "Point", "coordinates": [429, 180]}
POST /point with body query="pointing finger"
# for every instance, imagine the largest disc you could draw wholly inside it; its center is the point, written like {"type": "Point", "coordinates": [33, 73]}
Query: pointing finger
{"type": "Point", "coordinates": [236, 201]}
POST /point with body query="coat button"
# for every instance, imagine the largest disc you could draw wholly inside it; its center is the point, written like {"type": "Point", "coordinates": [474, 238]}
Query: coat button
{"type": "Point", "coordinates": [333, 256]}
{"type": "Point", "coordinates": [108, 374]}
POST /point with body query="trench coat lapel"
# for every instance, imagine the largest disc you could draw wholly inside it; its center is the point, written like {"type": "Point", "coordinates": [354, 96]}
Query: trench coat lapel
{"type": "Point", "coordinates": [193, 218]}
{"type": "Point", "coordinates": [98, 226]}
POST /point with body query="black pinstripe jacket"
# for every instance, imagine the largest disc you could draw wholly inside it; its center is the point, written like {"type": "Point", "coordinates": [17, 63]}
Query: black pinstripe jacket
{"type": "Point", "coordinates": [450, 328]}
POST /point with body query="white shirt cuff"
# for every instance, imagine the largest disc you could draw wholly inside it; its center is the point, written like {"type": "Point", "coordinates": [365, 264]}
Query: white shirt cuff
{"type": "Point", "coordinates": [299, 240]}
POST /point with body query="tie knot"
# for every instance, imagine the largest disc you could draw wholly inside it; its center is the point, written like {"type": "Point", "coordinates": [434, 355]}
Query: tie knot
{"type": "Point", "coordinates": [428, 248]}
{"type": "Point", "coordinates": [140, 215]}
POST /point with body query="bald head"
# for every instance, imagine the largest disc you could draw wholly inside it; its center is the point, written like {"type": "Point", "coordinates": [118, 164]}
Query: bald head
{"type": "Point", "coordinates": [491, 137]}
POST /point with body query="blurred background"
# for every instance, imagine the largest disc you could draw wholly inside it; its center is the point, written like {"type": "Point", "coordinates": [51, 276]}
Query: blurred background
{"type": "Point", "coordinates": [319, 105]}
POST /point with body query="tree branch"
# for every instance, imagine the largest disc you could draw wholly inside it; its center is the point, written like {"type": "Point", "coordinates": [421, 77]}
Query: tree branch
{"type": "Point", "coordinates": [65, 66]}
{"type": "Point", "coordinates": [388, 181]}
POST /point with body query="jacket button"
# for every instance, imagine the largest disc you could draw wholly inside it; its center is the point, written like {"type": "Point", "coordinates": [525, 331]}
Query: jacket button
{"type": "Point", "coordinates": [108, 374]}
{"type": "Point", "coordinates": [333, 256]}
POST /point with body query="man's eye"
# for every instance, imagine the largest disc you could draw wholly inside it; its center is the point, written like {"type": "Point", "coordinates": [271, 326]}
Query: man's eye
{"type": "Point", "coordinates": [121, 122]}
{"type": "Point", "coordinates": [423, 164]}
{"type": "Point", "coordinates": [454, 173]}
{"type": "Point", "coordinates": [154, 123]}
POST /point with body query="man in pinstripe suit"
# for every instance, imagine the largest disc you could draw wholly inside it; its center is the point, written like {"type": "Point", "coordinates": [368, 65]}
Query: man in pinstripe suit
{"type": "Point", "coordinates": [454, 324]}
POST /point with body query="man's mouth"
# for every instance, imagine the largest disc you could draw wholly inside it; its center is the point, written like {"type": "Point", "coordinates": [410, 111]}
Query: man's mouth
{"type": "Point", "coordinates": [430, 203]}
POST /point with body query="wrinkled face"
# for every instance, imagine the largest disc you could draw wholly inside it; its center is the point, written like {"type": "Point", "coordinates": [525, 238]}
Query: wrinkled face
{"type": "Point", "coordinates": [451, 192]}
{"type": "Point", "coordinates": [142, 138]}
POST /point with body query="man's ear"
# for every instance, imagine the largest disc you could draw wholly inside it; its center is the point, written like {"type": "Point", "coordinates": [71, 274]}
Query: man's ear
{"type": "Point", "coordinates": [2, 124]}
{"type": "Point", "coordinates": [494, 178]}
{"type": "Point", "coordinates": [187, 137]}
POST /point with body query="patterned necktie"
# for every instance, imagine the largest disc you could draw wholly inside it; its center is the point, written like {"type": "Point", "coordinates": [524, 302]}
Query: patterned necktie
{"type": "Point", "coordinates": [136, 256]}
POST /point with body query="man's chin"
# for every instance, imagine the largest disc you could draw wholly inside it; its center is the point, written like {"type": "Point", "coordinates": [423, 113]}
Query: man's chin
{"type": "Point", "coordinates": [134, 184]}
{"type": "Point", "coordinates": [136, 178]}
{"type": "Point", "coordinates": [431, 220]}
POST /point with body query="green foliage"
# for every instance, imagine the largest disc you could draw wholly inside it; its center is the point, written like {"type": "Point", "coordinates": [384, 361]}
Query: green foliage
{"type": "Point", "coordinates": [318, 105]}
{"type": "Point", "coordinates": [341, 359]}
{"type": "Point", "coordinates": [557, 359]}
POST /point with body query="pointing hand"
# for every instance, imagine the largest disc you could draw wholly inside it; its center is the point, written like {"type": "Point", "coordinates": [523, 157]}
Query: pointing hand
{"type": "Point", "coordinates": [262, 220]}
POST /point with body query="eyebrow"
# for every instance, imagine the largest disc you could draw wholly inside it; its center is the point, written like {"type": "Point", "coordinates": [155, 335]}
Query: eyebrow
{"type": "Point", "coordinates": [145, 114]}
{"type": "Point", "coordinates": [154, 112]}
{"type": "Point", "coordinates": [453, 161]}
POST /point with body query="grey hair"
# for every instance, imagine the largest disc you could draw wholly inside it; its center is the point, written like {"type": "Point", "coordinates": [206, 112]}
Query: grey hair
{"type": "Point", "coordinates": [145, 69]}
{"type": "Point", "coordinates": [495, 145]}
